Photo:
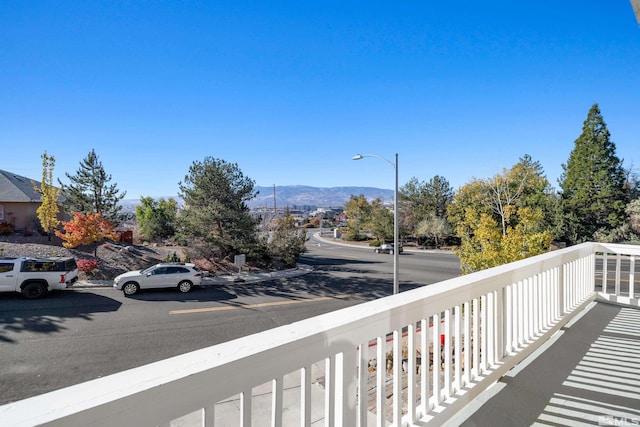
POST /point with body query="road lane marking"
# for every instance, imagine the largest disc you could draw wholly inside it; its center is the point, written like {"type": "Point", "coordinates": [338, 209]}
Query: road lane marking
{"type": "Point", "coordinates": [259, 305]}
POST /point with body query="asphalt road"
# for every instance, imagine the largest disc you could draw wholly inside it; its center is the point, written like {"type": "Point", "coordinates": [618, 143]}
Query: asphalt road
{"type": "Point", "coordinates": [82, 334]}
{"type": "Point", "coordinates": [417, 268]}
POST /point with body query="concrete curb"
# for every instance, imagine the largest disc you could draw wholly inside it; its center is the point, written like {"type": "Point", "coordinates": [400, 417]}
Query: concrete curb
{"type": "Point", "coordinates": [241, 278]}
{"type": "Point", "coordinates": [341, 242]}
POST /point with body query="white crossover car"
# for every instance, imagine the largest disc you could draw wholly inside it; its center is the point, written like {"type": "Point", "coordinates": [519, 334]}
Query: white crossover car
{"type": "Point", "coordinates": [183, 276]}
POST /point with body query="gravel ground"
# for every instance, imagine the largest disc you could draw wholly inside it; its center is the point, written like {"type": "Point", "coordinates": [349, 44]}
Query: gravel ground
{"type": "Point", "coordinates": [113, 258]}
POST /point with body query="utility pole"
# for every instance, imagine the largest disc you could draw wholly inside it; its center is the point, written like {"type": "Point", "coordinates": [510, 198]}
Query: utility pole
{"type": "Point", "coordinates": [275, 209]}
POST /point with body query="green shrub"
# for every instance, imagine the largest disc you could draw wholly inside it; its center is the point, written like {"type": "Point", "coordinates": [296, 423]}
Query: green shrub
{"type": "Point", "coordinates": [172, 257]}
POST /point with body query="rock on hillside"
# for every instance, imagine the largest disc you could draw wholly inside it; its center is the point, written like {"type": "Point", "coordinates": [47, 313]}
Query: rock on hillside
{"type": "Point", "coordinates": [113, 258]}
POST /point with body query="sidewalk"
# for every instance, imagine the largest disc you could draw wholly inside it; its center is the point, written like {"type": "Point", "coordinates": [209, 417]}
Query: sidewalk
{"type": "Point", "coordinates": [223, 279]}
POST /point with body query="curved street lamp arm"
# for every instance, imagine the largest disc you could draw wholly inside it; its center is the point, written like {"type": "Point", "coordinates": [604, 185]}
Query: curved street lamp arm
{"type": "Point", "coordinates": [361, 156]}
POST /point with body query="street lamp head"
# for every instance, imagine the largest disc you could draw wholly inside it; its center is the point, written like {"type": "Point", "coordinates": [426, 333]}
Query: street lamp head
{"type": "Point", "coordinates": [357, 157]}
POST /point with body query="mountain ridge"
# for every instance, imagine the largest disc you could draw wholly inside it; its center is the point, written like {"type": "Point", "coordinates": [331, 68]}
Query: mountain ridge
{"type": "Point", "coordinates": [295, 196]}
{"type": "Point", "coordinates": [305, 195]}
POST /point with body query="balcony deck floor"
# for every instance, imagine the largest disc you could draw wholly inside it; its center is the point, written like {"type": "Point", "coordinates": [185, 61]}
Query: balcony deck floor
{"type": "Point", "coordinates": [589, 374]}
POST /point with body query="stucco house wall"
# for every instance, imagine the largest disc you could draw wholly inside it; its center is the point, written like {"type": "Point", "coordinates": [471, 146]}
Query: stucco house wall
{"type": "Point", "coordinates": [19, 201]}
{"type": "Point", "coordinates": [21, 215]}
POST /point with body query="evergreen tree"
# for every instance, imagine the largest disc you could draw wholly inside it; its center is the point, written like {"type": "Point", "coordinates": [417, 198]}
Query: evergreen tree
{"type": "Point", "coordinates": [215, 219]}
{"type": "Point", "coordinates": [420, 201]}
{"type": "Point", "coordinates": [439, 195]}
{"type": "Point", "coordinates": [593, 182]}
{"type": "Point", "coordinates": [413, 206]}
{"type": "Point", "coordinates": [89, 190]}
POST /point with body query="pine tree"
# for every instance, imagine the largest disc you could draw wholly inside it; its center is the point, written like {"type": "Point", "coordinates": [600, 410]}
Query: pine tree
{"type": "Point", "coordinates": [215, 219]}
{"type": "Point", "coordinates": [89, 190]}
{"type": "Point", "coordinates": [420, 201]}
{"type": "Point", "coordinates": [593, 183]}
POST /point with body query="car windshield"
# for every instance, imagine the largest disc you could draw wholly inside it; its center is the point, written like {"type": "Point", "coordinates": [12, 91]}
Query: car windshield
{"type": "Point", "coordinates": [147, 270]}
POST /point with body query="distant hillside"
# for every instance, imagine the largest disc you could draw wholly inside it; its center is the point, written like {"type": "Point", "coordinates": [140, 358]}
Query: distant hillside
{"type": "Point", "coordinates": [302, 195]}
{"type": "Point", "coordinates": [296, 195]}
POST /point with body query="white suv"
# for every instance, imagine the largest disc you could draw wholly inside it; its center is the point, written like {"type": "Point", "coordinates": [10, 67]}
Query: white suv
{"type": "Point", "coordinates": [183, 276]}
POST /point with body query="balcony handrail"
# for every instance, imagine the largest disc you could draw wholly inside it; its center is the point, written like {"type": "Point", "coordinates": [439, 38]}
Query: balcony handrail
{"type": "Point", "coordinates": [483, 312]}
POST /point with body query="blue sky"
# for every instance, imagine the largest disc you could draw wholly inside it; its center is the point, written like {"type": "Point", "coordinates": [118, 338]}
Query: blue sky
{"type": "Point", "coordinates": [290, 91]}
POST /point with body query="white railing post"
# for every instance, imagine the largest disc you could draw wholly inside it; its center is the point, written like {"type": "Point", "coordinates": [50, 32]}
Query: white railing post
{"type": "Point", "coordinates": [520, 313]}
{"type": "Point", "coordinates": [329, 390]}
{"type": "Point", "coordinates": [346, 387]}
{"type": "Point", "coordinates": [363, 384]}
{"type": "Point", "coordinates": [381, 367]}
{"type": "Point", "coordinates": [562, 271]}
{"type": "Point", "coordinates": [467, 343]}
{"type": "Point", "coordinates": [437, 354]}
{"type": "Point", "coordinates": [508, 329]}
{"type": "Point", "coordinates": [500, 318]}
{"type": "Point", "coordinates": [276, 402]}
{"type": "Point", "coordinates": [457, 349]}
{"type": "Point", "coordinates": [605, 266]}
{"type": "Point", "coordinates": [632, 269]}
{"type": "Point", "coordinates": [476, 338]}
{"type": "Point", "coordinates": [491, 329]}
{"type": "Point", "coordinates": [397, 377]}
{"type": "Point", "coordinates": [424, 366]}
{"type": "Point", "coordinates": [412, 367]}
{"type": "Point", "coordinates": [618, 268]}
{"type": "Point", "coordinates": [245, 405]}
{"type": "Point", "coordinates": [446, 354]}
{"type": "Point", "coordinates": [305, 396]}
{"type": "Point", "coordinates": [483, 332]}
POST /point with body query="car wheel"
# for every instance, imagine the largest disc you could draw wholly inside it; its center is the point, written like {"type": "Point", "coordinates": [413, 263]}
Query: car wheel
{"type": "Point", "coordinates": [185, 286]}
{"type": "Point", "coordinates": [130, 288]}
{"type": "Point", "coordinates": [34, 291]}
{"type": "Point", "coordinates": [377, 251]}
{"type": "Point", "coordinates": [390, 252]}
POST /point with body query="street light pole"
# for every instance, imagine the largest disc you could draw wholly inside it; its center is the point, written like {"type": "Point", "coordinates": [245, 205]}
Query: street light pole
{"type": "Point", "coordinates": [396, 248]}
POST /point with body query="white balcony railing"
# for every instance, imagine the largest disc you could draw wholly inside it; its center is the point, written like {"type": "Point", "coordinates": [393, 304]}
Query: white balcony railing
{"type": "Point", "coordinates": [415, 357]}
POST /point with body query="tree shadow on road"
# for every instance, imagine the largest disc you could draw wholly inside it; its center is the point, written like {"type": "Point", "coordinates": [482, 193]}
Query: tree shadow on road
{"type": "Point", "coordinates": [318, 283]}
{"type": "Point", "coordinates": [49, 314]}
{"type": "Point", "coordinates": [197, 294]}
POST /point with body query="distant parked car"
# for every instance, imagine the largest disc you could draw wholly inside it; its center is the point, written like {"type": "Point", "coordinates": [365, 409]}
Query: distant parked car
{"type": "Point", "coordinates": [183, 276]}
{"type": "Point", "coordinates": [386, 248]}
